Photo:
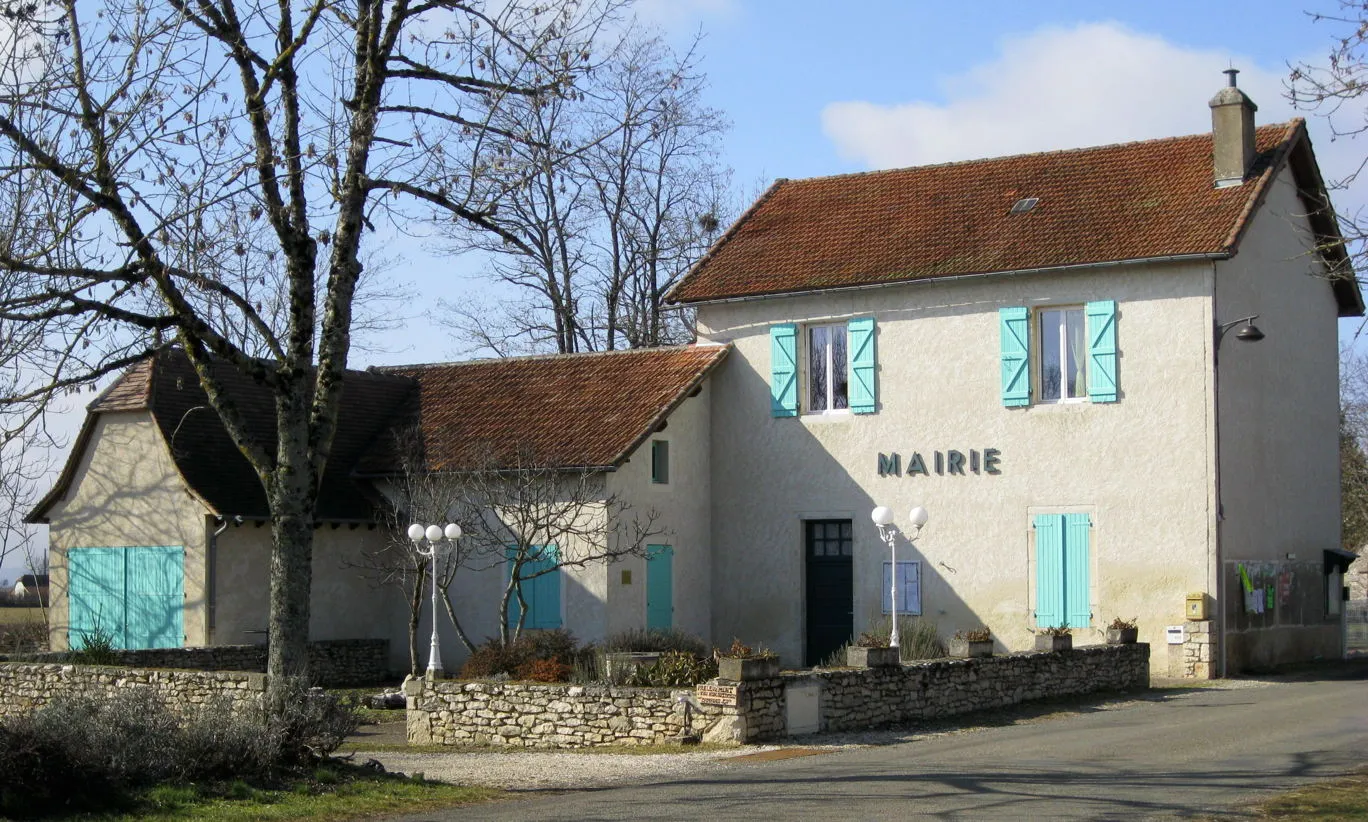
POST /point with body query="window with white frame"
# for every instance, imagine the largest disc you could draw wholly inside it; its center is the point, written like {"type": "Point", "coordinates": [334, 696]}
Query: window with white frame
{"type": "Point", "coordinates": [827, 373]}
{"type": "Point", "coordinates": [1063, 359]}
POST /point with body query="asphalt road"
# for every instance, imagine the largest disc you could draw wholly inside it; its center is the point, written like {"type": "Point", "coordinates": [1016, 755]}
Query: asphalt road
{"type": "Point", "coordinates": [1171, 754]}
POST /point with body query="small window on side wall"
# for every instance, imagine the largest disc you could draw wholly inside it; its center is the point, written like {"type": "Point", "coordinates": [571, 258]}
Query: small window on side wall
{"type": "Point", "coordinates": [660, 461]}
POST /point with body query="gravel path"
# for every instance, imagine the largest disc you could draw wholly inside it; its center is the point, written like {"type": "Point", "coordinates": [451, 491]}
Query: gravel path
{"type": "Point", "coordinates": [518, 770]}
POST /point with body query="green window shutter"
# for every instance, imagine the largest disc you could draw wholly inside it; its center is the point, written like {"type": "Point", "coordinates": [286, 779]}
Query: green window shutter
{"type": "Point", "coordinates": [1049, 540]}
{"type": "Point", "coordinates": [863, 397]}
{"type": "Point", "coordinates": [659, 587]}
{"type": "Point", "coordinates": [95, 599]}
{"type": "Point", "coordinates": [541, 587]}
{"type": "Point", "coordinates": [1016, 355]}
{"type": "Point", "coordinates": [1077, 600]}
{"type": "Point", "coordinates": [784, 370]}
{"type": "Point", "coordinates": [155, 597]}
{"type": "Point", "coordinates": [1102, 382]}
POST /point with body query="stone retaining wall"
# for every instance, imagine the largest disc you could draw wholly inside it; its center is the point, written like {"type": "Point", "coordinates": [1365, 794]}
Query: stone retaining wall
{"type": "Point", "coordinates": [856, 699]}
{"type": "Point", "coordinates": [530, 715]}
{"type": "Point", "coordinates": [26, 687]}
{"type": "Point", "coordinates": [332, 662]}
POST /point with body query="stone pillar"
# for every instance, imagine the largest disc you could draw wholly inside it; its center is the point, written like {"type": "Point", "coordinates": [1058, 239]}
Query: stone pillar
{"type": "Point", "coordinates": [1199, 650]}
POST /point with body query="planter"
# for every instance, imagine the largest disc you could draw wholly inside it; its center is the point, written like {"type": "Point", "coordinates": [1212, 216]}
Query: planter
{"type": "Point", "coordinates": [1122, 636]}
{"type": "Point", "coordinates": [857, 657]}
{"type": "Point", "coordinates": [744, 670]}
{"type": "Point", "coordinates": [964, 649]}
{"type": "Point", "coordinates": [1054, 644]}
{"type": "Point", "coordinates": [618, 665]}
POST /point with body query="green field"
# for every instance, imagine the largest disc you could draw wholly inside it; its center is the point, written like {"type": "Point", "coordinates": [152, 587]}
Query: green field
{"type": "Point", "coordinates": [20, 616]}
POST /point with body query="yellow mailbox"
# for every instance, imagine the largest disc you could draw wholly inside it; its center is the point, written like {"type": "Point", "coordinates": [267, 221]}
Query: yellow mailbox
{"type": "Point", "coordinates": [1196, 607]}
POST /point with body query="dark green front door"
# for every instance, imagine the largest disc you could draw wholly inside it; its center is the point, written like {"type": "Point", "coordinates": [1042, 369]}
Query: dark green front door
{"type": "Point", "coordinates": [830, 587]}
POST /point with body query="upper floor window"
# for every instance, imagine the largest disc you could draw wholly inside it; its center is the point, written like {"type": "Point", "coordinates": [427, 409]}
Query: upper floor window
{"type": "Point", "coordinates": [823, 368]}
{"type": "Point", "coordinates": [1063, 354]}
{"type": "Point", "coordinates": [660, 461]}
{"type": "Point", "coordinates": [1059, 354]}
{"type": "Point", "coordinates": [827, 377]}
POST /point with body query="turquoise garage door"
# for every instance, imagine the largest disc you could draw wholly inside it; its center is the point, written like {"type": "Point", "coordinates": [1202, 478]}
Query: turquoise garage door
{"type": "Point", "coordinates": [136, 596]}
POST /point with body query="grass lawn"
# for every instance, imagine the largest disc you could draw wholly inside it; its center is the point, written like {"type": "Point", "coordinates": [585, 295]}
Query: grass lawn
{"type": "Point", "coordinates": [1345, 798]}
{"type": "Point", "coordinates": [334, 792]}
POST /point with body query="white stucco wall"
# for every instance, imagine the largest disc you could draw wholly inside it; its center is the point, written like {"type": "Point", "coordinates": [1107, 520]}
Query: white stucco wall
{"type": "Point", "coordinates": [1140, 467]}
{"type": "Point", "coordinates": [683, 509]}
{"type": "Point", "coordinates": [346, 602]}
{"type": "Point", "coordinates": [1279, 407]}
{"type": "Point", "coordinates": [126, 492]}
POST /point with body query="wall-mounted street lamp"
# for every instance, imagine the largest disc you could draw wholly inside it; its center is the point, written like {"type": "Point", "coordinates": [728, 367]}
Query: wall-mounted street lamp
{"type": "Point", "coordinates": [433, 534]}
{"type": "Point", "coordinates": [883, 517]}
{"type": "Point", "coordinates": [1249, 332]}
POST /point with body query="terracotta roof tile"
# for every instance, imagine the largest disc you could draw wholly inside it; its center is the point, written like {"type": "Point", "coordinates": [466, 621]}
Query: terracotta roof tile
{"type": "Point", "coordinates": [1119, 202]}
{"type": "Point", "coordinates": [573, 410]}
{"type": "Point", "coordinates": [129, 392]}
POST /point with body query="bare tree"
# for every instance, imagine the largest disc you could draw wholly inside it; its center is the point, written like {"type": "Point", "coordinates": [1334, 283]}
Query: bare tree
{"type": "Point", "coordinates": [524, 518]}
{"type": "Point", "coordinates": [616, 197]}
{"type": "Point", "coordinates": [1336, 89]}
{"type": "Point", "coordinates": [193, 172]}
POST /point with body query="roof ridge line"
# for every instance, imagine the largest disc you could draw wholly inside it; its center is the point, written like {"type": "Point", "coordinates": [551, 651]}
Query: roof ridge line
{"type": "Point", "coordinates": [1003, 157]}
{"type": "Point", "coordinates": [382, 369]}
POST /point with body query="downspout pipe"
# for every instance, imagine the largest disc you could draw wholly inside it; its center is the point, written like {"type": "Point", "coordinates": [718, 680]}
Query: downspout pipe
{"type": "Point", "coordinates": [211, 576]}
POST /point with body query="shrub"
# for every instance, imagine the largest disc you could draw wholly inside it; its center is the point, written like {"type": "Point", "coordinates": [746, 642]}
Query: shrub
{"type": "Point", "coordinates": [976, 635]}
{"type": "Point", "coordinates": [83, 753]}
{"type": "Point", "coordinates": [1119, 624]}
{"type": "Point", "coordinates": [544, 670]}
{"type": "Point", "coordinates": [917, 638]}
{"type": "Point", "coordinates": [98, 648]}
{"type": "Point", "coordinates": [674, 669]}
{"type": "Point", "coordinates": [1056, 630]}
{"type": "Point", "coordinates": [740, 650]}
{"type": "Point", "coordinates": [493, 658]}
{"type": "Point", "coordinates": [656, 640]}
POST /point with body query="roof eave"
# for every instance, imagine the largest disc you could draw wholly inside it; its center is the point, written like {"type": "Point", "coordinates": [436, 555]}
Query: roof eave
{"type": "Point", "coordinates": [1203, 256]}
{"type": "Point", "coordinates": [670, 407]}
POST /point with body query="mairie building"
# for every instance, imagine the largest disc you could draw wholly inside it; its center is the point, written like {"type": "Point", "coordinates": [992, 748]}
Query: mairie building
{"type": "Point", "coordinates": [1109, 375]}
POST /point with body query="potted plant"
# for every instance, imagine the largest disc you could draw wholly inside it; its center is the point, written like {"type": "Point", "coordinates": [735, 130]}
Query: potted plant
{"type": "Point", "coordinates": [970, 644]}
{"type": "Point", "coordinates": [872, 651]}
{"type": "Point", "coordinates": [1122, 631]}
{"type": "Point", "coordinates": [1054, 639]}
{"type": "Point", "coordinates": [741, 663]}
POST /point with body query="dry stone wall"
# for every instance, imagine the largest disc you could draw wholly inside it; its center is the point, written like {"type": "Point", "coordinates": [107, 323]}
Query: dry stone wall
{"type": "Point", "coordinates": [855, 699]}
{"type": "Point", "coordinates": [26, 687]}
{"type": "Point", "coordinates": [529, 715]}
{"type": "Point", "coordinates": [332, 662]}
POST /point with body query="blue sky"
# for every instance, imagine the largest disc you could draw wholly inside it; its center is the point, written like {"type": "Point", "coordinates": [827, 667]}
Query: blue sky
{"type": "Point", "coordinates": [823, 88]}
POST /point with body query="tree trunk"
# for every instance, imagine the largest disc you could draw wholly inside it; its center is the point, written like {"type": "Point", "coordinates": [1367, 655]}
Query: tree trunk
{"type": "Point", "coordinates": [294, 494]}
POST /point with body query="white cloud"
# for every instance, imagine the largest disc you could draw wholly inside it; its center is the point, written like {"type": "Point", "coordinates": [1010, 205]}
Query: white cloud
{"type": "Point", "coordinates": [1054, 88]}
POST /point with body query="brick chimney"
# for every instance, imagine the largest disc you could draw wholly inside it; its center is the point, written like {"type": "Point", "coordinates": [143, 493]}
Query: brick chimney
{"type": "Point", "coordinates": [1232, 132]}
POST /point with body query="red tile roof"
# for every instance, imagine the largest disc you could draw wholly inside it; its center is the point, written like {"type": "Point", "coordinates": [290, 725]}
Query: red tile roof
{"type": "Point", "coordinates": [574, 410]}
{"type": "Point", "coordinates": [213, 468]}
{"type": "Point", "coordinates": [579, 410]}
{"type": "Point", "coordinates": [1120, 202]}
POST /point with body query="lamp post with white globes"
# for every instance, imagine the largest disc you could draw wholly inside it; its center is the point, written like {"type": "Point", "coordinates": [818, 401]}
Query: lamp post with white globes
{"type": "Point", "coordinates": [883, 517]}
{"type": "Point", "coordinates": [434, 534]}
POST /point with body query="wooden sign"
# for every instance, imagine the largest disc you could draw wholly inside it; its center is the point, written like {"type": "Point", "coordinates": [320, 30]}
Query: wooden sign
{"type": "Point", "coordinates": [717, 694]}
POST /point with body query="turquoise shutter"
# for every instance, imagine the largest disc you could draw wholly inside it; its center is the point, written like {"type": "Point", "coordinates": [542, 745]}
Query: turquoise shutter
{"type": "Point", "coordinates": [784, 370]}
{"type": "Point", "coordinates": [95, 597]}
{"type": "Point", "coordinates": [543, 593]}
{"type": "Point", "coordinates": [1016, 350]}
{"type": "Point", "coordinates": [155, 597]}
{"type": "Point", "coordinates": [863, 398]}
{"type": "Point", "coordinates": [1049, 539]}
{"type": "Point", "coordinates": [1102, 383]}
{"type": "Point", "coordinates": [1078, 607]}
{"type": "Point", "coordinates": [659, 587]}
